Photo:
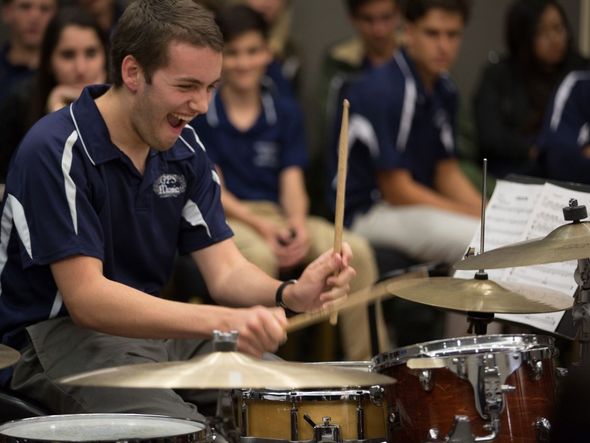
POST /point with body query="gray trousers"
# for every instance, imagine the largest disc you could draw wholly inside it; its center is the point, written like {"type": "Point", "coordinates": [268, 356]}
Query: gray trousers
{"type": "Point", "coordinates": [59, 348]}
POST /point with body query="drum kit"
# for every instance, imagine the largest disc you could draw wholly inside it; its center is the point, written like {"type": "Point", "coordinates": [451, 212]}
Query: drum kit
{"type": "Point", "coordinates": [476, 388]}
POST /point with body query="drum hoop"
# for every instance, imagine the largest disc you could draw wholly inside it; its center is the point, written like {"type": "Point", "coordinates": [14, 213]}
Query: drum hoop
{"type": "Point", "coordinates": [200, 434]}
{"type": "Point", "coordinates": [301, 396]}
{"type": "Point", "coordinates": [540, 346]}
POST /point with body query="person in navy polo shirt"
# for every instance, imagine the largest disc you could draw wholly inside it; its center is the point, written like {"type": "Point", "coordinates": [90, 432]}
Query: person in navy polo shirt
{"type": "Point", "coordinates": [256, 139]}
{"type": "Point", "coordinates": [564, 143]}
{"type": "Point", "coordinates": [405, 189]}
{"type": "Point", "coordinates": [101, 195]}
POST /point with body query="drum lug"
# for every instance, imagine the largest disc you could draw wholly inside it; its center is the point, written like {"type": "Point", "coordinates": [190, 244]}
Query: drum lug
{"type": "Point", "coordinates": [425, 377]}
{"type": "Point", "coordinates": [537, 369]}
{"type": "Point", "coordinates": [327, 432]}
{"type": "Point", "coordinates": [543, 430]}
{"type": "Point", "coordinates": [461, 432]}
{"type": "Point", "coordinates": [376, 394]}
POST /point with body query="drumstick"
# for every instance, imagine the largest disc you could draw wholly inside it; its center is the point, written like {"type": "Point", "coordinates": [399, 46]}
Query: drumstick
{"type": "Point", "coordinates": [380, 291]}
{"type": "Point", "coordinates": [341, 187]}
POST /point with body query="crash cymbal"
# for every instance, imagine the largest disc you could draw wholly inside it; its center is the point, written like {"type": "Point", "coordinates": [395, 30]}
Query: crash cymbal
{"type": "Point", "coordinates": [568, 242]}
{"type": "Point", "coordinates": [227, 370]}
{"type": "Point", "coordinates": [473, 295]}
{"type": "Point", "coordinates": [8, 356]}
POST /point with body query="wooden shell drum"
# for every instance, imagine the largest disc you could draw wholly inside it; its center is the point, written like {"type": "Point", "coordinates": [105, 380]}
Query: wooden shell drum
{"type": "Point", "coordinates": [339, 414]}
{"type": "Point", "coordinates": [500, 386]}
{"type": "Point", "coordinates": [104, 428]}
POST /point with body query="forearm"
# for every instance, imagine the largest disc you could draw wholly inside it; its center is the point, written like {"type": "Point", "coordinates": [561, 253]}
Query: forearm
{"type": "Point", "coordinates": [235, 209]}
{"type": "Point", "coordinates": [117, 309]}
{"type": "Point", "coordinates": [293, 196]}
{"type": "Point", "coordinates": [453, 184]}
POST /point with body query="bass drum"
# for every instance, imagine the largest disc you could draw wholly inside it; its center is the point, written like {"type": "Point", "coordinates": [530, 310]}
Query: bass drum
{"type": "Point", "coordinates": [496, 386]}
{"type": "Point", "coordinates": [104, 428]}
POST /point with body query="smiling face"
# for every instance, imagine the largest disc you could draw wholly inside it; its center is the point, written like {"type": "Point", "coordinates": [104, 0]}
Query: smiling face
{"type": "Point", "coordinates": [79, 58]}
{"type": "Point", "coordinates": [433, 42]}
{"type": "Point", "coordinates": [178, 92]}
{"type": "Point", "coordinates": [245, 59]}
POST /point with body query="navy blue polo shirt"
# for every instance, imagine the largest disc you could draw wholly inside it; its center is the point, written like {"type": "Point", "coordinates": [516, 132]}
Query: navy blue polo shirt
{"type": "Point", "coordinates": [566, 130]}
{"type": "Point", "coordinates": [70, 192]}
{"type": "Point", "coordinates": [251, 160]}
{"type": "Point", "coordinates": [394, 124]}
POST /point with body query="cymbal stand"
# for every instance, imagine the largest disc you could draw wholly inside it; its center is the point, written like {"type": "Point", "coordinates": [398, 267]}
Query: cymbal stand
{"type": "Point", "coordinates": [581, 309]}
{"type": "Point", "coordinates": [478, 321]}
{"type": "Point", "coordinates": [224, 420]}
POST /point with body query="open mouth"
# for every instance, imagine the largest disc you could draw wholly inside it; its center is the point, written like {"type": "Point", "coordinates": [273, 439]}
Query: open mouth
{"type": "Point", "coordinates": [178, 121]}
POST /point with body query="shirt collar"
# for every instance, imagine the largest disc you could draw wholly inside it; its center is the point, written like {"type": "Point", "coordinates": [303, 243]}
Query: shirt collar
{"type": "Point", "coordinates": [216, 114]}
{"type": "Point", "coordinates": [402, 57]}
{"type": "Point", "coordinates": [94, 134]}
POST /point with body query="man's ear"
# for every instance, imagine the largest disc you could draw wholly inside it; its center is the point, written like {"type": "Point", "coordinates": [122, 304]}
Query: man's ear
{"type": "Point", "coordinates": [132, 73]}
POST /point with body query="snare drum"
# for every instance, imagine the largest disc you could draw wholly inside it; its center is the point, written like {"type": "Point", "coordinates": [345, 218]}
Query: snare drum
{"type": "Point", "coordinates": [346, 414]}
{"type": "Point", "coordinates": [104, 428]}
{"type": "Point", "coordinates": [496, 384]}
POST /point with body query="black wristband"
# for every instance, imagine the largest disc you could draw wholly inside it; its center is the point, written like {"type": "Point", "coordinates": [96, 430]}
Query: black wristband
{"type": "Point", "coordinates": [279, 296]}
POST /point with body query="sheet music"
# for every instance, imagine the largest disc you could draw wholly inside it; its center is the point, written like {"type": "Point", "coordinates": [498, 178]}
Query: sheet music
{"type": "Point", "coordinates": [507, 216]}
{"type": "Point", "coordinates": [518, 212]}
{"type": "Point", "coordinates": [547, 215]}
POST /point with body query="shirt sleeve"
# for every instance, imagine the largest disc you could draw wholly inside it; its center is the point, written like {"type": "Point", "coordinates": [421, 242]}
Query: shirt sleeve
{"type": "Point", "coordinates": [294, 147]}
{"type": "Point", "coordinates": [47, 194]}
{"type": "Point", "coordinates": [375, 120]}
{"type": "Point", "coordinates": [566, 131]}
{"type": "Point", "coordinates": [203, 219]}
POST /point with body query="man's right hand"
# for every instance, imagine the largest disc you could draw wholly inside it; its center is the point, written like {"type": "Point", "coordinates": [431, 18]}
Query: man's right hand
{"type": "Point", "coordinates": [260, 329]}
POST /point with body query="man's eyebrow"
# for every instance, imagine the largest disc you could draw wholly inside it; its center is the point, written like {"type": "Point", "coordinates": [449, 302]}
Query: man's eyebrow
{"type": "Point", "coordinates": [195, 81]}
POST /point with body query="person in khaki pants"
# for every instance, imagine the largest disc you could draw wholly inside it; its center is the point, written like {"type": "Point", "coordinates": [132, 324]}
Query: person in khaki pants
{"type": "Point", "coordinates": [256, 139]}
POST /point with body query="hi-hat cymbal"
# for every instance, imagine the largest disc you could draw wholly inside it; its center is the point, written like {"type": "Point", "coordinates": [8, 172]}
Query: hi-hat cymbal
{"type": "Point", "coordinates": [8, 356]}
{"type": "Point", "coordinates": [568, 242]}
{"type": "Point", "coordinates": [227, 370]}
{"type": "Point", "coordinates": [473, 295]}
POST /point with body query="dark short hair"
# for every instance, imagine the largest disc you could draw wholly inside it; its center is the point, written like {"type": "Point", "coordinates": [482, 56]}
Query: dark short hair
{"type": "Point", "coordinates": [354, 5]}
{"type": "Point", "coordinates": [414, 10]}
{"type": "Point", "coordinates": [147, 27]}
{"type": "Point", "coordinates": [237, 20]}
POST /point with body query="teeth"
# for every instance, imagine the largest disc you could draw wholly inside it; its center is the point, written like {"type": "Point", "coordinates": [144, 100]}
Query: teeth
{"type": "Point", "coordinates": [185, 118]}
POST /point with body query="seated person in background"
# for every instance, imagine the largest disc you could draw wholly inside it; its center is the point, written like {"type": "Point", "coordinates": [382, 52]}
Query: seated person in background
{"type": "Point", "coordinates": [564, 143]}
{"type": "Point", "coordinates": [26, 21]}
{"type": "Point", "coordinates": [513, 93]}
{"type": "Point", "coordinates": [105, 12]}
{"type": "Point", "coordinates": [257, 142]}
{"type": "Point", "coordinates": [285, 67]}
{"type": "Point", "coordinates": [405, 189]}
{"type": "Point", "coordinates": [375, 24]}
{"type": "Point", "coordinates": [73, 55]}
{"type": "Point", "coordinates": [100, 197]}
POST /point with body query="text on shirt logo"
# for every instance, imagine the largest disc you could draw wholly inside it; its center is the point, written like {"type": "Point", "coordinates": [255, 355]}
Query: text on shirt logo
{"type": "Point", "coordinates": [169, 185]}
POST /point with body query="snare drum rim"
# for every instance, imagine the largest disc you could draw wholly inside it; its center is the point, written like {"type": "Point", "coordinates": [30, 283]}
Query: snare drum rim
{"type": "Point", "coordinates": [542, 346]}
{"type": "Point", "coordinates": [304, 396]}
{"type": "Point", "coordinates": [198, 434]}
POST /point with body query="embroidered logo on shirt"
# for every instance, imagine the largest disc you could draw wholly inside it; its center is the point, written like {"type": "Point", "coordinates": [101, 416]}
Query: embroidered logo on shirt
{"type": "Point", "coordinates": [170, 185]}
{"type": "Point", "coordinates": [266, 154]}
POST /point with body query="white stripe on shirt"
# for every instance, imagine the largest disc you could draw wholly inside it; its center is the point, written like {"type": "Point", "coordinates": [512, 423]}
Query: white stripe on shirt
{"type": "Point", "coordinates": [192, 214]}
{"type": "Point", "coordinates": [562, 96]}
{"type": "Point", "coordinates": [69, 184]}
{"type": "Point", "coordinates": [409, 106]}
